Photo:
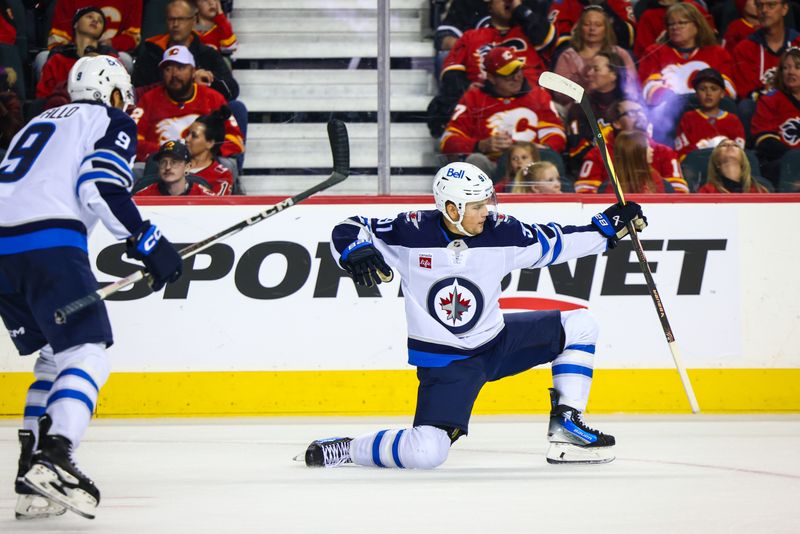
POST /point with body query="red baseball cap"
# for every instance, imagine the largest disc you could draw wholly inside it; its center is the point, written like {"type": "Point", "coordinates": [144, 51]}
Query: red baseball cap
{"type": "Point", "coordinates": [502, 61]}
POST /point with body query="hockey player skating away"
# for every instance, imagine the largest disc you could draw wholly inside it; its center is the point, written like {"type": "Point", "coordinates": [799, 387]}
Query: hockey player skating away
{"type": "Point", "coordinates": [452, 261]}
{"type": "Point", "coordinates": [66, 169]}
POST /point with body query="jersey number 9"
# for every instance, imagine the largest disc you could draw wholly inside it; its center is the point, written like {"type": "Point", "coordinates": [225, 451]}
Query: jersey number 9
{"type": "Point", "coordinates": [23, 154]}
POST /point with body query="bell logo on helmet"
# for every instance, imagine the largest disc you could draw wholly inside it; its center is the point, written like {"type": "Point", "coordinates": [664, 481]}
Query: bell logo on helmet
{"type": "Point", "coordinates": [455, 173]}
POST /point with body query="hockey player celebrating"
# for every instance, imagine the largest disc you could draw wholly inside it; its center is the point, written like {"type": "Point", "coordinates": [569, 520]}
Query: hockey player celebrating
{"type": "Point", "coordinates": [452, 261]}
{"type": "Point", "coordinates": [64, 171]}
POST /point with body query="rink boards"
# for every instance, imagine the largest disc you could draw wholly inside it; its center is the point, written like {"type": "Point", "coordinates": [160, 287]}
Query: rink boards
{"type": "Point", "coordinates": [265, 323]}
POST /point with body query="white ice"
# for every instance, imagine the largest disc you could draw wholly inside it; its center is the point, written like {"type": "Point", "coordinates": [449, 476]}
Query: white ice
{"type": "Point", "coordinates": [673, 474]}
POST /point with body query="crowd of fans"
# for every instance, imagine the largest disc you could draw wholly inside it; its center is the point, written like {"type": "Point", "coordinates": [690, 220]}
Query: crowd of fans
{"type": "Point", "coordinates": [675, 85]}
{"type": "Point", "coordinates": [191, 127]}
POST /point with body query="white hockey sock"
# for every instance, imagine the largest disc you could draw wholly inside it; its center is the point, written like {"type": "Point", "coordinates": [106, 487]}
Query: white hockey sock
{"type": "Point", "coordinates": [82, 371]}
{"type": "Point", "coordinates": [421, 447]}
{"type": "Point", "coordinates": [36, 400]}
{"type": "Point", "coordinates": [574, 367]}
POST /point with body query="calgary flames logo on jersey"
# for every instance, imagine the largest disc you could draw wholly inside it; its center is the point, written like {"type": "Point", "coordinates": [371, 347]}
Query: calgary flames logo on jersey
{"type": "Point", "coordinates": [520, 123]}
{"type": "Point", "coordinates": [174, 127]}
{"type": "Point", "coordinates": [790, 131]}
{"type": "Point", "coordinates": [456, 303]}
{"type": "Point", "coordinates": [677, 76]}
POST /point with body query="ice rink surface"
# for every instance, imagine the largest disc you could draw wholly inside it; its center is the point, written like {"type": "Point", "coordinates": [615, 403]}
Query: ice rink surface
{"type": "Point", "coordinates": [673, 474]}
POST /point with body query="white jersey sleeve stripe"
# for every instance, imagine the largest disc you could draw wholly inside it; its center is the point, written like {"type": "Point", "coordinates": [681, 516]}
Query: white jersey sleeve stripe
{"type": "Point", "coordinates": [99, 176]}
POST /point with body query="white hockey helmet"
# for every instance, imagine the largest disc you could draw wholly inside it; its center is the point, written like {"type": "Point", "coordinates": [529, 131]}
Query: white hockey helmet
{"type": "Point", "coordinates": [462, 183]}
{"type": "Point", "coordinates": [96, 77]}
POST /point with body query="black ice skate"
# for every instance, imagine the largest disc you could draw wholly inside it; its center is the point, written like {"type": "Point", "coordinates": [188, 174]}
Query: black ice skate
{"type": "Point", "coordinates": [54, 475]}
{"type": "Point", "coordinates": [571, 441]}
{"type": "Point", "coordinates": [30, 505]}
{"type": "Point", "coordinates": [330, 452]}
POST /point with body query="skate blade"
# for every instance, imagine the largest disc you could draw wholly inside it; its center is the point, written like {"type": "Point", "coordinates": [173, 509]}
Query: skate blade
{"type": "Point", "coordinates": [44, 481]}
{"type": "Point", "coordinates": [36, 507]}
{"type": "Point", "coordinates": [567, 453]}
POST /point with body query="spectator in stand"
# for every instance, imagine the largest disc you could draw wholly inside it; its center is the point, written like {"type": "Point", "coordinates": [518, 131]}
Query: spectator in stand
{"type": "Point", "coordinates": [741, 28]}
{"type": "Point", "coordinates": [211, 68]}
{"type": "Point", "coordinates": [628, 116]}
{"type": "Point", "coordinates": [167, 111]}
{"type": "Point", "coordinates": [689, 46]}
{"type": "Point", "coordinates": [566, 14]}
{"type": "Point", "coordinates": [776, 123]}
{"type": "Point", "coordinates": [8, 28]}
{"type": "Point", "coordinates": [708, 125]}
{"type": "Point", "coordinates": [756, 56]}
{"type": "Point", "coordinates": [214, 27]}
{"type": "Point", "coordinates": [540, 177]}
{"type": "Point", "coordinates": [461, 15]}
{"type": "Point", "coordinates": [203, 140]}
{"type": "Point", "coordinates": [488, 119]}
{"type": "Point", "coordinates": [518, 156]}
{"type": "Point", "coordinates": [633, 164]}
{"type": "Point", "coordinates": [122, 29]}
{"type": "Point", "coordinates": [591, 34]}
{"type": "Point", "coordinates": [11, 119]}
{"type": "Point", "coordinates": [651, 25]}
{"type": "Point", "coordinates": [513, 24]}
{"type": "Point", "coordinates": [172, 159]}
{"type": "Point", "coordinates": [88, 25]}
{"type": "Point", "coordinates": [729, 171]}
{"type": "Point", "coordinates": [607, 84]}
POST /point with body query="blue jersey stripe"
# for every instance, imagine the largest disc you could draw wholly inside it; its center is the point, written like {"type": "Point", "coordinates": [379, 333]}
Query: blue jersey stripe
{"type": "Point", "coordinates": [71, 394]}
{"type": "Point", "coordinates": [50, 238]}
{"type": "Point", "coordinates": [110, 156]}
{"type": "Point", "coordinates": [79, 373]}
{"type": "Point", "coordinates": [98, 175]}
{"type": "Point", "coordinates": [584, 348]}
{"type": "Point", "coordinates": [376, 449]}
{"type": "Point", "coordinates": [565, 368]}
{"type": "Point", "coordinates": [557, 247]}
{"type": "Point", "coordinates": [41, 385]}
{"type": "Point", "coordinates": [396, 449]}
{"type": "Point", "coordinates": [34, 411]}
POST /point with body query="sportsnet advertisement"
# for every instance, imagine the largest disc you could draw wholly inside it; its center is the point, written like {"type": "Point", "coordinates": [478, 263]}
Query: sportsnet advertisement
{"type": "Point", "coordinates": [271, 298]}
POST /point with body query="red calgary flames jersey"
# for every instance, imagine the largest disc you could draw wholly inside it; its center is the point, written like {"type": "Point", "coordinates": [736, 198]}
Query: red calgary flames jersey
{"type": "Point", "coordinates": [778, 116]}
{"type": "Point", "coordinates": [665, 69]}
{"type": "Point", "coordinates": [665, 162]}
{"type": "Point", "coordinates": [478, 115]}
{"type": "Point", "coordinates": [123, 22]}
{"type": "Point", "coordinates": [470, 51]}
{"type": "Point", "coordinates": [159, 119]}
{"type": "Point", "coordinates": [218, 176]}
{"type": "Point", "coordinates": [697, 130]}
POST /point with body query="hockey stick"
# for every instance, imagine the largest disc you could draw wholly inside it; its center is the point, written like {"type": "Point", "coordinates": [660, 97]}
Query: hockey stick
{"type": "Point", "coordinates": [559, 84]}
{"type": "Point", "coordinates": [340, 148]}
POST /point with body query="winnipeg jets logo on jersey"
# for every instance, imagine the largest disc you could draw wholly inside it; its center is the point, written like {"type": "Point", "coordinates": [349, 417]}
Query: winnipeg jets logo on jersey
{"type": "Point", "coordinates": [790, 131]}
{"type": "Point", "coordinates": [520, 122]}
{"type": "Point", "coordinates": [456, 303]}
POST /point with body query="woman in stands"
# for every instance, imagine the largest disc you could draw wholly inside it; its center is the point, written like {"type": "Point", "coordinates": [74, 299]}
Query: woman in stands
{"type": "Point", "coordinates": [688, 46]}
{"type": "Point", "coordinates": [776, 123]}
{"type": "Point", "coordinates": [204, 139]}
{"type": "Point", "coordinates": [591, 34]}
{"type": "Point", "coordinates": [729, 171]}
{"type": "Point", "coordinates": [633, 158]}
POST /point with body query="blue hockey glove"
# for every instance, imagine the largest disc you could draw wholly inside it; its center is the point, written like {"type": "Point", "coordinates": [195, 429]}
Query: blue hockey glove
{"type": "Point", "coordinates": [366, 265]}
{"type": "Point", "coordinates": [613, 222]}
{"type": "Point", "coordinates": [160, 258]}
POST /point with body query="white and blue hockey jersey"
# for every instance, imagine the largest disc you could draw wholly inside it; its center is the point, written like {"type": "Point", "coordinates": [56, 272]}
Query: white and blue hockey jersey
{"type": "Point", "coordinates": [66, 169]}
{"type": "Point", "coordinates": [452, 286]}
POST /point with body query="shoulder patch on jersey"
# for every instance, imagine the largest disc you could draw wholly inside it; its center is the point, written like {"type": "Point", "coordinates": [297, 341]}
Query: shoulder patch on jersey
{"type": "Point", "coordinates": [414, 217]}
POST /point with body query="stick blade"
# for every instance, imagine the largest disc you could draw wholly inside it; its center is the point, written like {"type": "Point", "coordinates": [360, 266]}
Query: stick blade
{"type": "Point", "coordinates": [559, 84]}
{"type": "Point", "coordinates": [340, 147]}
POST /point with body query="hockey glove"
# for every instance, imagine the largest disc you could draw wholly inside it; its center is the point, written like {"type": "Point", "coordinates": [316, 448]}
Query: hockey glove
{"type": "Point", "coordinates": [160, 258]}
{"type": "Point", "coordinates": [367, 266]}
{"type": "Point", "coordinates": [613, 222]}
